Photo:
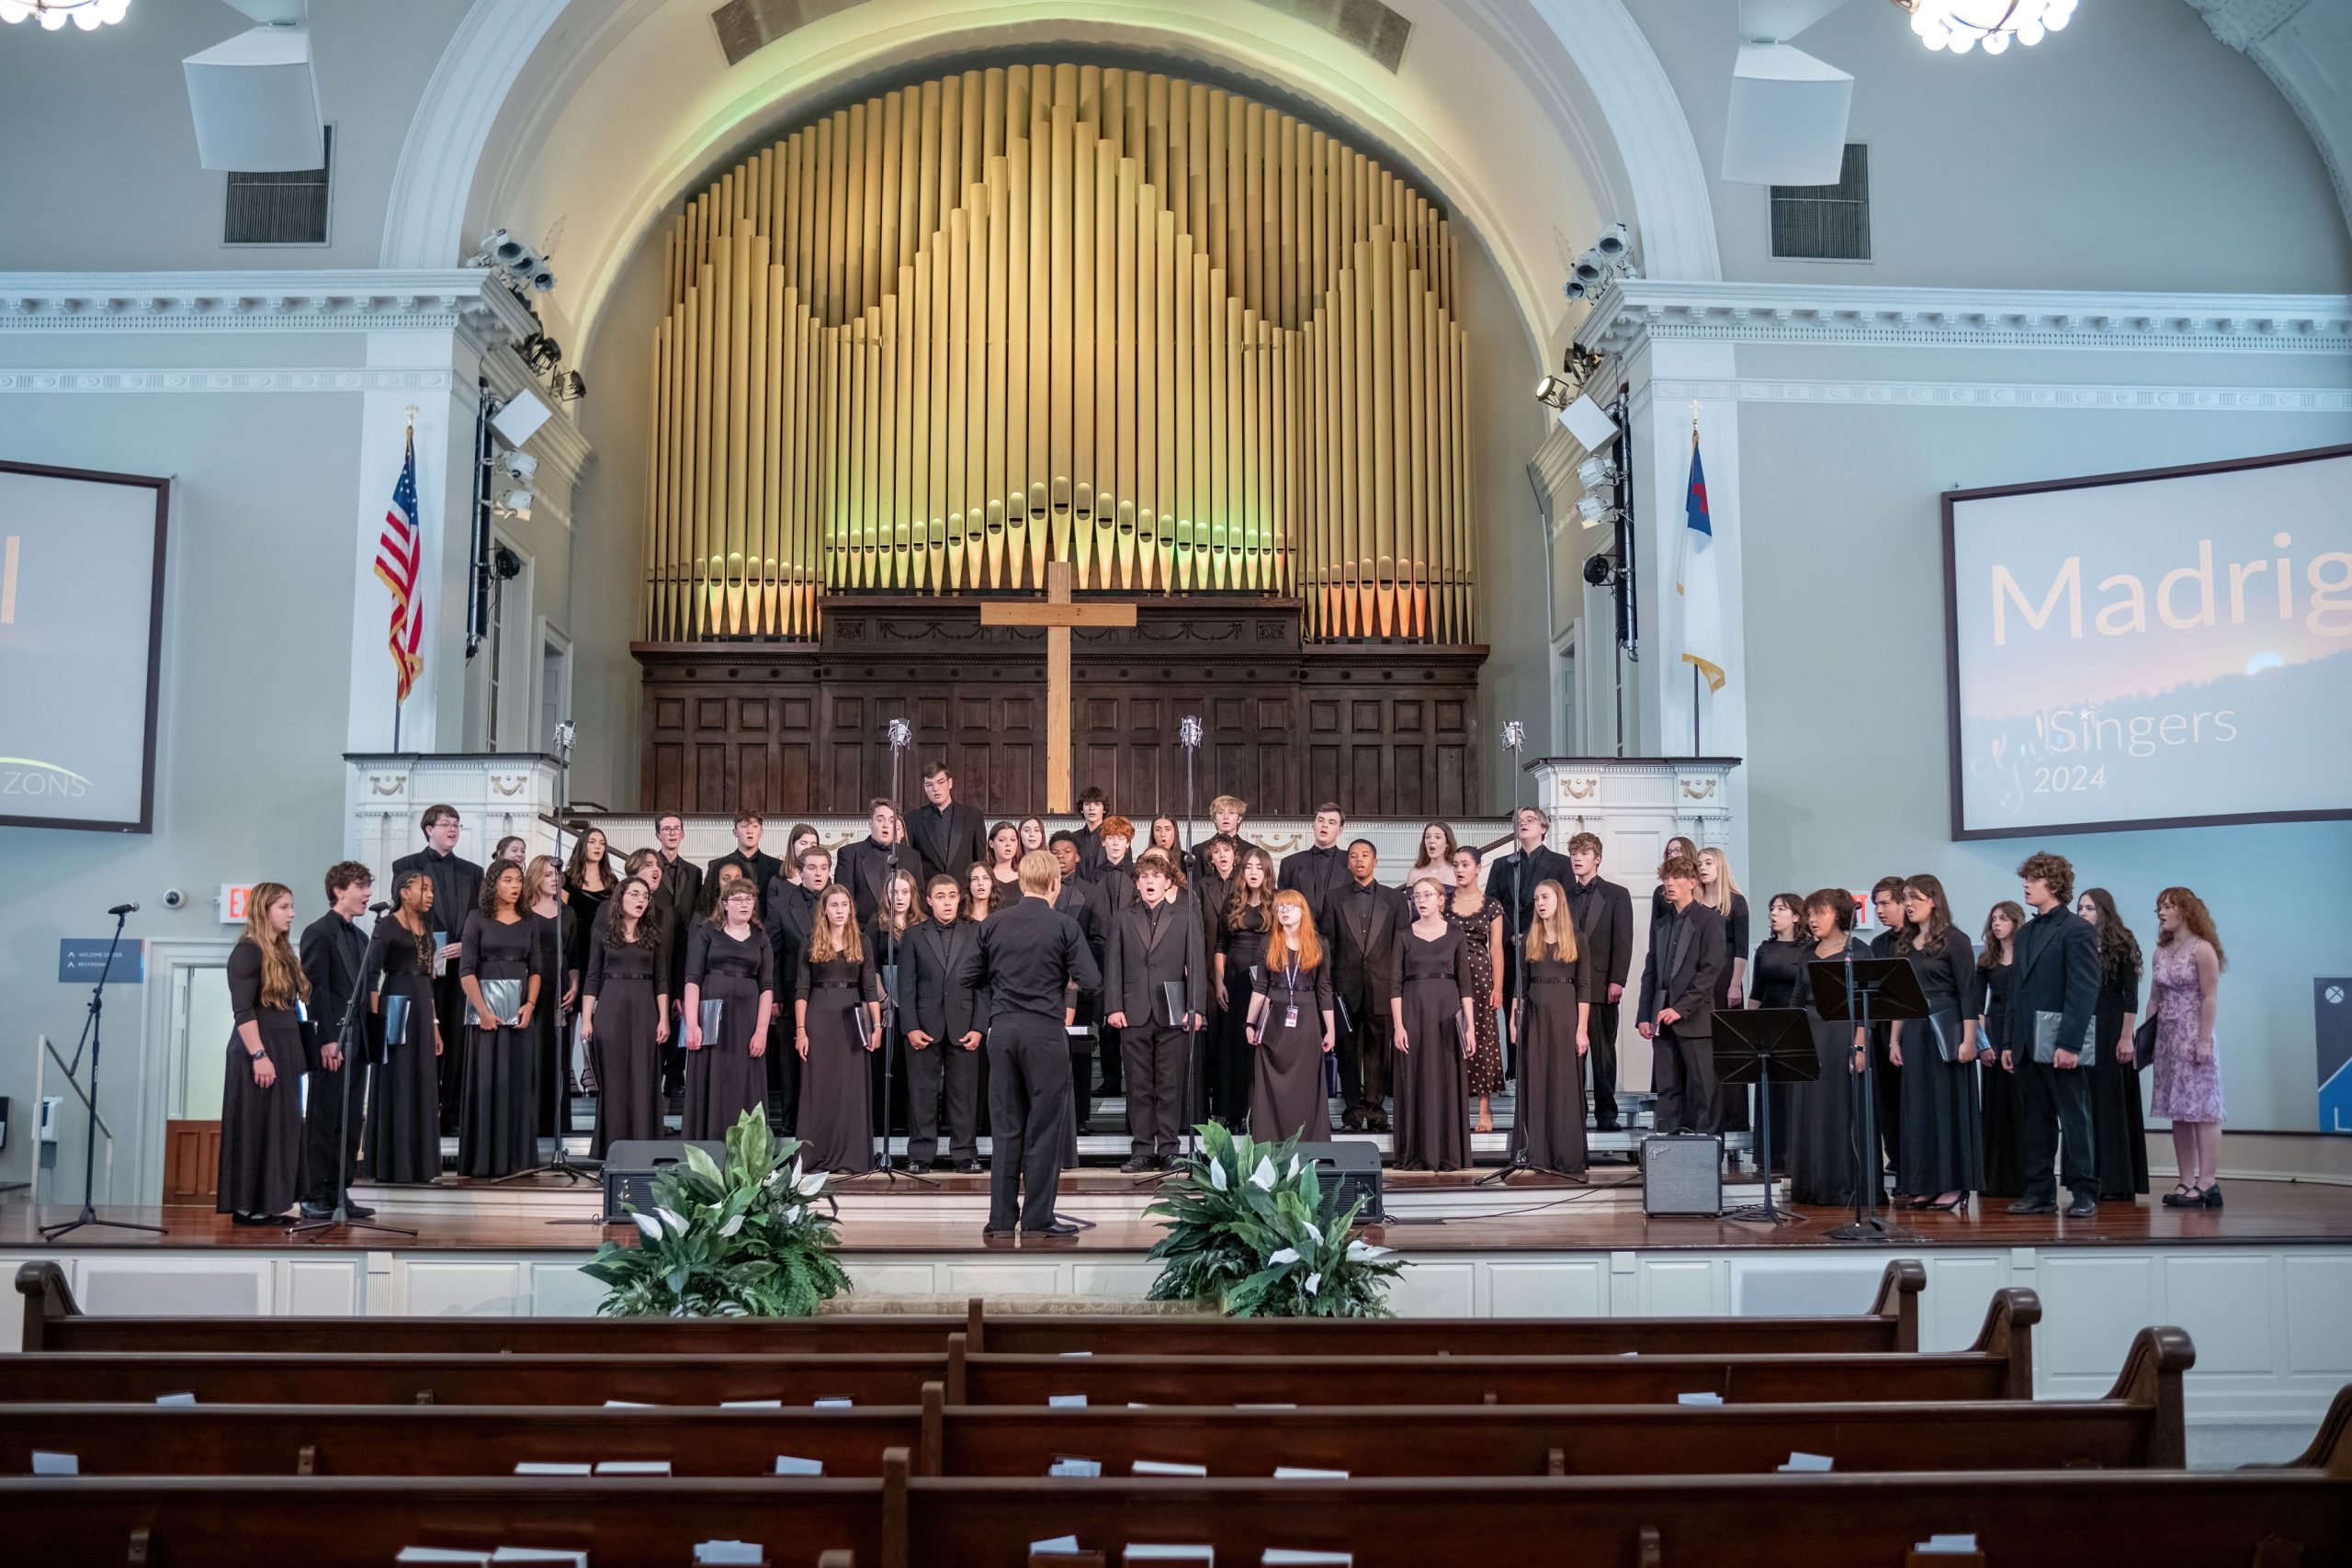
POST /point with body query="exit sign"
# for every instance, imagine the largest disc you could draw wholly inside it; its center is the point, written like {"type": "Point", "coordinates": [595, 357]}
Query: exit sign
{"type": "Point", "coordinates": [233, 903]}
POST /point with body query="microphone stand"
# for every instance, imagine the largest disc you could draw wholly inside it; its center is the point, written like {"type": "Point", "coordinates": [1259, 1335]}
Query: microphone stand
{"type": "Point", "coordinates": [900, 734]}
{"type": "Point", "coordinates": [1188, 734]}
{"type": "Point", "coordinates": [90, 1033]}
{"type": "Point", "coordinates": [1514, 738]}
{"type": "Point", "coordinates": [559, 1162]}
{"type": "Point", "coordinates": [347, 1034]}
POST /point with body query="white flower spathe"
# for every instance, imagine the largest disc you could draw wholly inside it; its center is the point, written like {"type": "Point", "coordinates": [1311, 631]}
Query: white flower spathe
{"type": "Point", "coordinates": [1364, 1252]}
{"type": "Point", "coordinates": [1287, 1254]}
{"type": "Point", "coordinates": [650, 1225]}
{"type": "Point", "coordinates": [809, 1186]}
{"type": "Point", "coordinates": [731, 1226]}
{"type": "Point", "coordinates": [670, 1218]}
{"type": "Point", "coordinates": [1217, 1175]}
{"type": "Point", "coordinates": [1314, 1232]}
{"type": "Point", "coordinates": [1314, 1283]}
{"type": "Point", "coordinates": [1264, 1176]}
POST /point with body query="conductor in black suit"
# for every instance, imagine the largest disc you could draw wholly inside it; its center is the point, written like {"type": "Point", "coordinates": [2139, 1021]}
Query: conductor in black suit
{"type": "Point", "coordinates": [863, 867]}
{"type": "Point", "coordinates": [2057, 973]}
{"type": "Point", "coordinates": [949, 836]}
{"type": "Point", "coordinates": [1365, 920]}
{"type": "Point", "coordinates": [1529, 866]}
{"type": "Point", "coordinates": [1678, 1013]}
{"type": "Point", "coordinates": [331, 951]}
{"type": "Point", "coordinates": [1154, 942]}
{"type": "Point", "coordinates": [1603, 912]}
{"type": "Point", "coordinates": [756, 867]}
{"type": "Point", "coordinates": [1028, 956]}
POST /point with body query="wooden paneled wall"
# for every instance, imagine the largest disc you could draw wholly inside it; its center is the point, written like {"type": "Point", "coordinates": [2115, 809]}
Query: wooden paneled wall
{"type": "Point", "coordinates": [1179, 339]}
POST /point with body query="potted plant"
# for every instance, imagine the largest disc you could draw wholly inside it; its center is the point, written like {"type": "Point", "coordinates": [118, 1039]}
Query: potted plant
{"type": "Point", "coordinates": [1255, 1231]}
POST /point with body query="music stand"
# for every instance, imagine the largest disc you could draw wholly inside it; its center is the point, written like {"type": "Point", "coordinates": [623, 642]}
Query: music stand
{"type": "Point", "coordinates": [1863, 991]}
{"type": "Point", "coordinates": [1749, 1046]}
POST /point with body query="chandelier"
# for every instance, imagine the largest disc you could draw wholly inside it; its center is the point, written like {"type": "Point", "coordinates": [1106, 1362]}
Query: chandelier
{"type": "Point", "coordinates": [87, 15]}
{"type": "Point", "coordinates": [1961, 25]}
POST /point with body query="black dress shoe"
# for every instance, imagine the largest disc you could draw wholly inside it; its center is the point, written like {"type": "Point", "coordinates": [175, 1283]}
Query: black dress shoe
{"type": "Point", "coordinates": [1136, 1163]}
{"type": "Point", "coordinates": [990, 1233]}
{"type": "Point", "coordinates": [969, 1167]}
{"type": "Point", "coordinates": [1059, 1227]}
{"type": "Point", "coordinates": [320, 1210]}
{"type": "Point", "coordinates": [2082, 1208]}
{"type": "Point", "coordinates": [259, 1219]}
{"type": "Point", "coordinates": [358, 1210]}
{"type": "Point", "coordinates": [2030, 1206]}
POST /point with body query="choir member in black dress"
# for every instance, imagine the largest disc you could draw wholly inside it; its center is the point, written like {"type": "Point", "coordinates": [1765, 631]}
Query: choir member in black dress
{"type": "Point", "coordinates": [1004, 861]}
{"type": "Point", "coordinates": [1771, 981]}
{"type": "Point", "coordinates": [943, 1031]}
{"type": "Point", "coordinates": [1029, 957]}
{"type": "Point", "coordinates": [1604, 917]}
{"type": "Point", "coordinates": [861, 867]}
{"type": "Point", "coordinates": [403, 1133]}
{"type": "Point", "coordinates": [590, 875]}
{"type": "Point", "coordinates": [332, 950]}
{"type": "Point", "coordinates": [497, 1134]}
{"type": "Point", "coordinates": [1212, 884]}
{"type": "Point", "coordinates": [625, 1017]}
{"type": "Point", "coordinates": [1826, 1120]}
{"type": "Point", "coordinates": [1435, 856]}
{"type": "Point", "coordinates": [1679, 984]}
{"type": "Point", "coordinates": [514, 848]}
{"type": "Point", "coordinates": [1553, 1025]}
{"type": "Point", "coordinates": [837, 981]}
{"type": "Point", "coordinates": [1291, 1027]}
{"type": "Point", "coordinates": [552, 938]}
{"type": "Point", "coordinates": [1996, 1081]}
{"type": "Point", "coordinates": [1032, 833]}
{"type": "Point", "coordinates": [1480, 915]}
{"type": "Point", "coordinates": [748, 860]}
{"type": "Point", "coordinates": [980, 897]}
{"type": "Point", "coordinates": [1676, 845]}
{"type": "Point", "coordinates": [1511, 882]}
{"type": "Point", "coordinates": [886, 943]}
{"type": "Point", "coordinates": [457, 888]}
{"type": "Point", "coordinates": [2118, 1127]}
{"type": "Point", "coordinates": [1163, 838]}
{"type": "Point", "coordinates": [261, 1103]}
{"type": "Point", "coordinates": [943, 830]}
{"type": "Point", "coordinates": [1154, 943]}
{"type": "Point", "coordinates": [728, 961]}
{"type": "Point", "coordinates": [1942, 1141]}
{"type": "Point", "coordinates": [1434, 1037]}
{"type": "Point", "coordinates": [1886, 1079]}
{"type": "Point", "coordinates": [1245, 923]}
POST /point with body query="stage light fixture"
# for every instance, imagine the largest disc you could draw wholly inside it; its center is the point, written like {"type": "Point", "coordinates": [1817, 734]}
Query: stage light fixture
{"type": "Point", "coordinates": [515, 502]}
{"type": "Point", "coordinates": [1595, 511]}
{"type": "Point", "coordinates": [519, 466]}
{"type": "Point", "coordinates": [1613, 244]}
{"type": "Point", "coordinates": [1596, 473]}
{"type": "Point", "coordinates": [1602, 569]}
{"type": "Point", "coordinates": [570, 387]}
{"type": "Point", "coordinates": [1554, 391]}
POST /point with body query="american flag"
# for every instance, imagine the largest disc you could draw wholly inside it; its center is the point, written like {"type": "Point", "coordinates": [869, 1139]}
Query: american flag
{"type": "Point", "coordinates": [398, 553]}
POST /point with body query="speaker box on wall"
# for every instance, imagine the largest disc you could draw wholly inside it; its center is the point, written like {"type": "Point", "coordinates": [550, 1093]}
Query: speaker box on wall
{"type": "Point", "coordinates": [256, 101]}
{"type": "Point", "coordinates": [1787, 124]}
{"type": "Point", "coordinates": [1682, 1175]}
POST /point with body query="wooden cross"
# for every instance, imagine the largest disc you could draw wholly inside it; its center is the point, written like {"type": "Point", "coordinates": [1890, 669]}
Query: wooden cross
{"type": "Point", "coordinates": [1057, 614]}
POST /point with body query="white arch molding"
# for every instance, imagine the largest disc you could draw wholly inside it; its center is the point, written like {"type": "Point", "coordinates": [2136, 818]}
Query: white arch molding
{"type": "Point", "coordinates": [1595, 88]}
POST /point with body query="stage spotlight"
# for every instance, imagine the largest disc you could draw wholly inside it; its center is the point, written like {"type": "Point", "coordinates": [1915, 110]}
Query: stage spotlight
{"type": "Point", "coordinates": [519, 466]}
{"type": "Point", "coordinates": [515, 502]}
{"type": "Point", "coordinates": [1602, 569]}
{"type": "Point", "coordinates": [572, 387]}
{"type": "Point", "coordinates": [539, 276]}
{"type": "Point", "coordinates": [1554, 391]}
{"type": "Point", "coordinates": [1574, 289]}
{"type": "Point", "coordinates": [1613, 243]}
{"type": "Point", "coordinates": [541, 352]}
{"type": "Point", "coordinates": [1595, 511]}
{"type": "Point", "coordinates": [519, 417]}
{"type": "Point", "coordinates": [1596, 473]}
{"type": "Point", "coordinates": [507, 564]}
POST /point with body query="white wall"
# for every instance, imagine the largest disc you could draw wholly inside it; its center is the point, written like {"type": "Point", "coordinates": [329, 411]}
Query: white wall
{"type": "Point", "coordinates": [104, 174]}
{"type": "Point", "coordinates": [2131, 151]}
{"type": "Point", "coordinates": [1844, 593]}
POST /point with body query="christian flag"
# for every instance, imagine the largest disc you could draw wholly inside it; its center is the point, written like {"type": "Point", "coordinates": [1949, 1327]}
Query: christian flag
{"type": "Point", "coordinates": [1702, 610]}
{"type": "Point", "coordinates": [400, 554]}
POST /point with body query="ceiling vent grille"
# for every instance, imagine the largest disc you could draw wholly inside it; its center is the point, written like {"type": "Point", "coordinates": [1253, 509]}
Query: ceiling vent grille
{"type": "Point", "coordinates": [1825, 222]}
{"type": "Point", "coordinates": [284, 207]}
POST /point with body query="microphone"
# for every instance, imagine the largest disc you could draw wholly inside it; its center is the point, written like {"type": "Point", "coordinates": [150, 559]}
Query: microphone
{"type": "Point", "coordinates": [124, 910]}
{"type": "Point", "coordinates": [379, 908]}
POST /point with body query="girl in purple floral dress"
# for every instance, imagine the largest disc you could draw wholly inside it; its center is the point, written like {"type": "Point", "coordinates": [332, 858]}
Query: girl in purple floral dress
{"type": "Point", "coordinates": [2184, 978]}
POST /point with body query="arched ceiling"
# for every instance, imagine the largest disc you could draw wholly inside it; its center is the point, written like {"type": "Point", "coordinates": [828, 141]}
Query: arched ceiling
{"type": "Point", "coordinates": [1535, 123]}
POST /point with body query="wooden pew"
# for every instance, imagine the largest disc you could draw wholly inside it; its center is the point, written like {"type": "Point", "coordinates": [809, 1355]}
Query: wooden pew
{"type": "Point", "coordinates": [2139, 1423]}
{"type": "Point", "coordinates": [52, 1322]}
{"type": "Point", "coordinates": [2283, 1515]}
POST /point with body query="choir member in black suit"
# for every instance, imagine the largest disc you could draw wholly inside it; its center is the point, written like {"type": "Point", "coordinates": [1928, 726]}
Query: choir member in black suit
{"type": "Point", "coordinates": [333, 949]}
{"type": "Point", "coordinates": [1677, 1011]}
{"type": "Point", "coordinates": [497, 1134]}
{"type": "Point", "coordinates": [1942, 1141]}
{"type": "Point", "coordinates": [943, 1032]}
{"type": "Point", "coordinates": [1226, 813]}
{"type": "Point", "coordinates": [404, 1132]}
{"type": "Point", "coordinates": [1825, 1120]}
{"type": "Point", "coordinates": [1093, 809]}
{"type": "Point", "coordinates": [1512, 880]}
{"type": "Point", "coordinates": [1292, 1025]}
{"type": "Point", "coordinates": [1719, 891]}
{"type": "Point", "coordinates": [1029, 956]}
{"type": "Point", "coordinates": [681, 880]}
{"type": "Point", "coordinates": [1242, 927]}
{"type": "Point", "coordinates": [625, 1016]}
{"type": "Point", "coordinates": [1111, 887]}
{"type": "Point", "coordinates": [1434, 1037]}
{"type": "Point", "coordinates": [1087, 905]}
{"type": "Point", "coordinates": [946, 833]}
{"type": "Point", "coordinates": [2057, 973]}
{"type": "Point", "coordinates": [1998, 1080]}
{"type": "Point", "coordinates": [553, 937]}
{"type": "Point", "coordinates": [261, 1104]}
{"type": "Point", "coordinates": [1886, 1079]}
{"type": "Point", "coordinates": [1154, 942]}
{"type": "Point", "coordinates": [837, 982]}
{"type": "Point", "coordinates": [1319, 870]}
{"type": "Point", "coordinates": [790, 918]}
{"type": "Point", "coordinates": [728, 960]}
{"type": "Point", "coordinates": [861, 866]}
{"type": "Point", "coordinates": [753, 866]}
{"type": "Point", "coordinates": [2119, 1127]}
{"type": "Point", "coordinates": [457, 888]}
{"type": "Point", "coordinates": [1604, 917]}
{"type": "Point", "coordinates": [1210, 886]}
{"type": "Point", "coordinates": [1366, 923]}
{"type": "Point", "coordinates": [1003, 859]}
{"type": "Point", "coordinates": [1554, 1026]}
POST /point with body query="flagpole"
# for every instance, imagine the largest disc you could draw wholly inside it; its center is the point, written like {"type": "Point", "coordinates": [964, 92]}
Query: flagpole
{"type": "Point", "coordinates": [399, 668]}
{"type": "Point", "coordinates": [1694, 669]}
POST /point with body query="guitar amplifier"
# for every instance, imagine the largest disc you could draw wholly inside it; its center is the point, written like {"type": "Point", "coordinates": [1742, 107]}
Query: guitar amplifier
{"type": "Point", "coordinates": [1356, 1163]}
{"type": "Point", "coordinates": [1682, 1174]}
{"type": "Point", "coordinates": [632, 1165]}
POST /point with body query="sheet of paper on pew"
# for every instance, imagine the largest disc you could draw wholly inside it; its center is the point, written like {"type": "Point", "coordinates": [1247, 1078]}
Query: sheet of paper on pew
{"type": "Point", "coordinates": [1164, 1467]}
{"type": "Point", "coordinates": [793, 1465]}
{"type": "Point", "coordinates": [442, 1554]}
{"type": "Point", "coordinates": [175, 1399]}
{"type": "Point", "coordinates": [728, 1553]}
{"type": "Point", "coordinates": [55, 1464]}
{"type": "Point", "coordinates": [554, 1467]}
{"type": "Point", "coordinates": [1303, 1472]}
{"type": "Point", "coordinates": [1938, 1545]}
{"type": "Point", "coordinates": [1304, 1557]}
{"type": "Point", "coordinates": [626, 1405]}
{"type": "Point", "coordinates": [1074, 1355]}
{"type": "Point", "coordinates": [1799, 1461]}
{"type": "Point", "coordinates": [834, 1404]}
{"type": "Point", "coordinates": [750, 1404]}
{"type": "Point", "coordinates": [1054, 1546]}
{"type": "Point", "coordinates": [1068, 1400]}
{"type": "Point", "coordinates": [1086, 1468]}
{"type": "Point", "coordinates": [1154, 1551]}
{"type": "Point", "coordinates": [633, 1467]}
{"type": "Point", "coordinates": [539, 1554]}
{"type": "Point", "coordinates": [1246, 1405]}
{"type": "Point", "coordinates": [1698, 1399]}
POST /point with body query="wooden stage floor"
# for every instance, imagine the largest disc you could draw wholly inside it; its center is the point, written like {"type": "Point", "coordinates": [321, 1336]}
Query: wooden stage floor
{"type": "Point", "coordinates": [1538, 1214]}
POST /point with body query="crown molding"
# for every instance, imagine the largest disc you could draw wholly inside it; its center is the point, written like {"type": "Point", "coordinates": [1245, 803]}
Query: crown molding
{"type": "Point", "coordinates": [460, 299]}
{"type": "Point", "coordinates": [1630, 312]}
{"type": "Point", "coordinates": [2302, 48]}
{"type": "Point", "coordinates": [244, 378]}
{"type": "Point", "coordinates": [2006, 395]}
